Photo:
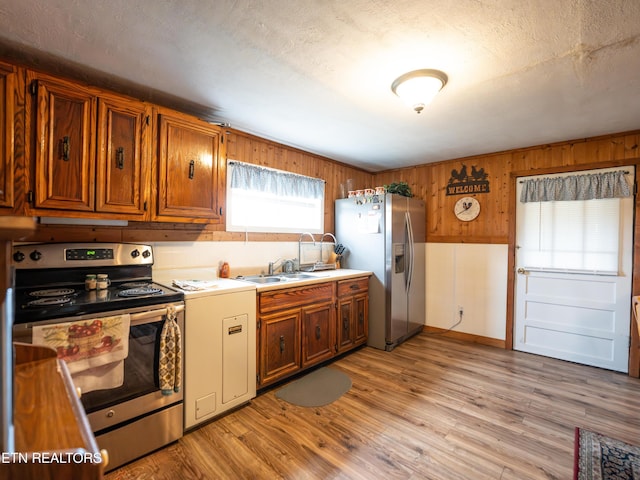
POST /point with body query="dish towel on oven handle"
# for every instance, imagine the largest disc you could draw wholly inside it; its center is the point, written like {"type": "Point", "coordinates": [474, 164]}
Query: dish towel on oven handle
{"type": "Point", "coordinates": [94, 349]}
{"type": "Point", "coordinates": [169, 373]}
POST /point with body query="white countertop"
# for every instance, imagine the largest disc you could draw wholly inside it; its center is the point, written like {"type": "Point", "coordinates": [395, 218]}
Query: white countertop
{"type": "Point", "coordinates": [320, 277]}
{"type": "Point", "coordinates": [218, 286]}
{"type": "Point", "coordinates": [210, 283]}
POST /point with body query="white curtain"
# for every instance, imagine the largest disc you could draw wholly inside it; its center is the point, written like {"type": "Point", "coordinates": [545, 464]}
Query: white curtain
{"type": "Point", "coordinates": [277, 182]}
{"type": "Point", "coordinates": [261, 199]}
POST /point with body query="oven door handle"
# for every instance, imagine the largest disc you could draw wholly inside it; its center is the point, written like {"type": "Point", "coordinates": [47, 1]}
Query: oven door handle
{"type": "Point", "coordinates": [153, 315]}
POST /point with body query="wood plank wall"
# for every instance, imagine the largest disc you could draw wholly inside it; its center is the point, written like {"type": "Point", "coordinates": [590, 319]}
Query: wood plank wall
{"type": "Point", "coordinates": [492, 225]}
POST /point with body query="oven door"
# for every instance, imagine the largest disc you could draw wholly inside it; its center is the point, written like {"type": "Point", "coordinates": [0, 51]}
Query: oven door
{"type": "Point", "coordinates": [139, 394]}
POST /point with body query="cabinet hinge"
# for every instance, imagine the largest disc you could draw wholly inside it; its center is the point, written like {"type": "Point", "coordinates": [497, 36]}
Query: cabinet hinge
{"type": "Point", "coordinates": [33, 88]}
{"type": "Point", "coordinates": [221, 138]}
{"type": "Point", "coordinates": [30, 197]}
{"type": "Point", "coordinates": [258, 378]}
{"type": "Point", "coordinates": [148, 120]}
{"type": "Point", "coordinates": [220, 210]}
{"type": "Point", "coordinates": [259, 324]}
{"type": "Point", "coordinates": [144, 205]}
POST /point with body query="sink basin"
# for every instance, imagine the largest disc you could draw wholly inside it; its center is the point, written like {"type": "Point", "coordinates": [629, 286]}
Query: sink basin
{"type": "Point", "coordinates": [261, 279]}
{"type": "Point", "coordinates": [297, 276]}
{"type": "Point", "coordinates": [282, 277]}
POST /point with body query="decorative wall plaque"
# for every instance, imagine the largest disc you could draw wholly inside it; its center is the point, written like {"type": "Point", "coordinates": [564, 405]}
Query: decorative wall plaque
{"type": "Point", "coordinates": [463, 183]}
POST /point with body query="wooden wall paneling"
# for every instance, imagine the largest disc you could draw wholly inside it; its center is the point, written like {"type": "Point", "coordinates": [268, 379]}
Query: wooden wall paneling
{"type": "Point", "coordinates": [631, 143]}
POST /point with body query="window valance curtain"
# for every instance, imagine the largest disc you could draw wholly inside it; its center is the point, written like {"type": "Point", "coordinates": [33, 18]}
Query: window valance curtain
{"type": "Point", "coordinates": [253, 177]}
{"type": "Point", "coordinates": [576, 187]}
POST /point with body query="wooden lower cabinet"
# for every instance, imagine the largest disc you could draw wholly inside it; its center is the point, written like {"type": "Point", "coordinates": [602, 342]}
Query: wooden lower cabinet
{"type": "Point", "coordinates": [353, 313]}
{"type": "Point", "coordinates": [279, 335]}
{"type": "Point", "coordinates": [300, 327]}
{"type": "Point", "coordinates": [318, 333]}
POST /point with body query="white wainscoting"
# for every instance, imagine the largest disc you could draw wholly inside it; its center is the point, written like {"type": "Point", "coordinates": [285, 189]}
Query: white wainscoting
{"type": "Point", "coordinates": [471, 276]}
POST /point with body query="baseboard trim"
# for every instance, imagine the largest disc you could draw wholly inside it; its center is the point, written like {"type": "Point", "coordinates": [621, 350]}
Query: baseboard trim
{"type": "Point", "coordinates": [467, 337]}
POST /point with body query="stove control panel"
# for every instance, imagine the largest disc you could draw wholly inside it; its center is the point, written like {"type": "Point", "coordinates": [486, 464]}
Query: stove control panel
{"type": "Point", "coordinates": [89, 253]}
{"type": "Point", "coordinates": [64, 255]}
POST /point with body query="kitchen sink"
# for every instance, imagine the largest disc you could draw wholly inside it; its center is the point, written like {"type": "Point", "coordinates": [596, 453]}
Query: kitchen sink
{"type": "Point", "coordinates": [281, 277]}
{"type": "Point", "coordinates": [261, 279]}
{"type": "Point", "coordinates": [297, 276]}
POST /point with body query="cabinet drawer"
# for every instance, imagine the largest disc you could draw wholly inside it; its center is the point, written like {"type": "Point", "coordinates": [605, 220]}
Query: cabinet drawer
{"type": "Point", "coordinates": [350, 287]}
{"type": "Point", "coordinates": [295, 297]}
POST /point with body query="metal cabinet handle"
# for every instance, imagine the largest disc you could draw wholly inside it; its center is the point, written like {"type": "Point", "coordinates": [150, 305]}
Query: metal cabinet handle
{"type": "Point", "coordinates": [192, 169]}
{"type": "Point", "coordinates": [120, 158]}
{"type": "Point", "coordinates": [281, 343]}
{"type": "Point", "coordinates": [318, 332]}
{"type": "Point", "coordinates": [354, 286]}
{"type": "Point", "coordinates": [65, 148]}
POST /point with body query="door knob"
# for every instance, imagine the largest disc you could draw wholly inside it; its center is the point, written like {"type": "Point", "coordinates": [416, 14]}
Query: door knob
{"type": "Point", "coordinates": [521, 270]}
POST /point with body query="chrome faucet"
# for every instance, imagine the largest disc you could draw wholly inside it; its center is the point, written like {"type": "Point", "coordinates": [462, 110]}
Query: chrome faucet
{"type": "Point", "coordinates": [286, 266]}
{"type": "Point", "coordinates": [272, 266]}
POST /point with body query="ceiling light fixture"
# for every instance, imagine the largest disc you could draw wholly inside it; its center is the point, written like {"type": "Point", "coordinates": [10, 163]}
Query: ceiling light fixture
{"type": "Point", "coordinates": [417, 88]}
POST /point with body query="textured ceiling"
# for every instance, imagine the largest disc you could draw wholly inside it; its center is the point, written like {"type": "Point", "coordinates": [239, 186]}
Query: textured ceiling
{"type": "Point", "coordinates": [317, 74]}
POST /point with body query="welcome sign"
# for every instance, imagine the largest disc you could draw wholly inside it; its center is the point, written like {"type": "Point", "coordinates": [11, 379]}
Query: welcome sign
{"type": "Point", "coordinates": [461, 182]}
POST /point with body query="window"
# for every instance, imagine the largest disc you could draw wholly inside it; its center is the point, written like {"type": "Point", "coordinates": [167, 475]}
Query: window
{"type": "Point", "coordinates": [261, 199]}
{"type": "Point", "coordinates": [570, 235]}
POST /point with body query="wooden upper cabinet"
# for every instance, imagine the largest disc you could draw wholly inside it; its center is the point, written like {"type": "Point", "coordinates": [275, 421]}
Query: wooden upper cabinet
{"type": "Point", "coordinates": [122, 164]}
{"type": "Point", "coordinates": [64, 146]}
{"type": "Point", "coordinates": [7, 82]}
{"type": "Point", "coordinates": [190, 173]}
{"type": "Point", "coordinates": [91, 151]}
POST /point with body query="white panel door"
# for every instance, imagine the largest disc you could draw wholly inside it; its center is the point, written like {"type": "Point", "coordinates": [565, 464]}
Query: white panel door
{"type": "Point", "coordinates": [579, 317]}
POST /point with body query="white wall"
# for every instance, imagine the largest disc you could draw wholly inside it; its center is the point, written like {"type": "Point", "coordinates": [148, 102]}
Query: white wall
{"type": "Point", "coordinates": [244, 258]}
{"type": "Point", "coordinates": [471, 276]}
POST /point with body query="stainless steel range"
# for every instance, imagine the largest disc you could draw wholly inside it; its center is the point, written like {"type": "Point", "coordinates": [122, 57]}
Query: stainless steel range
{"type": "Point", "coordinates": [89, 301]}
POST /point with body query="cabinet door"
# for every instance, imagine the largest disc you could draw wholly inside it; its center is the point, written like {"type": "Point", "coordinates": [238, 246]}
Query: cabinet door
{"type": "Point", "coordinates": [318, 337]}
{"type": "Point", "coordinates": [64, 150]}
{"type": "Point", "coordinates": [7, 81]}
{"type": "Point", "coordinates": [279, 345]}
{"type": "Point", "coordinates": [188, 182]}
{"type": "Point", "coordinates": [122, 164]}
{"type": "Point", "coordinates": [361, 318]}
{"type": "Point", "coordinates": [345, 323]}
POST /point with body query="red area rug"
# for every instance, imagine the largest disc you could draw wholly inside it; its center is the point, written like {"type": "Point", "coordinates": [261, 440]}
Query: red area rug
{"type": "Point", "coordinates": [597, 457]}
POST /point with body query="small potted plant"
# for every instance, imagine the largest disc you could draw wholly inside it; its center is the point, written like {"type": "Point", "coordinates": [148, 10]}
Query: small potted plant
{"type": "Point", "coordinates": [401, 188]}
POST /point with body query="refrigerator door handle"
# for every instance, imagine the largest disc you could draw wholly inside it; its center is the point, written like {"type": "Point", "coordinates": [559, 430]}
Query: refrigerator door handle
{"type": "Point", "coordinates": [408, 249]}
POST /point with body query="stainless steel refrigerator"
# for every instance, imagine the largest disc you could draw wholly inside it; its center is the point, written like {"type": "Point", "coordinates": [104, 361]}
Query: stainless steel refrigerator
{"type": "Point", "coordinates": [387, 237]}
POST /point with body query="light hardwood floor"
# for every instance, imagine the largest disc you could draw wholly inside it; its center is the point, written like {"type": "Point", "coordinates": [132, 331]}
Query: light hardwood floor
{"type": "Point", "coordinates": [433, 408]}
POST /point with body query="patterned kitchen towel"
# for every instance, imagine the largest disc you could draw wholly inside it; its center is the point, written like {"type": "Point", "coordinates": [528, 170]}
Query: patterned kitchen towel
{"type": "Point", "coordinates": [93, 349]}
{"type": "Point", "coordinates": [170, 354]}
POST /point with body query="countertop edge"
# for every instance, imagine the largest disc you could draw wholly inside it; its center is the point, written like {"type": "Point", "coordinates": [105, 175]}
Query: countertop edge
{"type": "Point", "coordinates": [322, 277]}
